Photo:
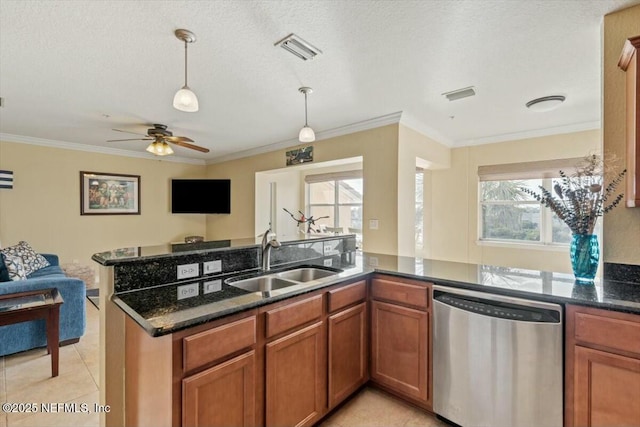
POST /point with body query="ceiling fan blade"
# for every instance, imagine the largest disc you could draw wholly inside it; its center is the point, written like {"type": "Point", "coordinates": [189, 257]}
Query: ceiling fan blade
{"type": "Point", "coordinates": [193, 147]}
{"type": "Point", "coordinates": [126, 131]}
{"type": "Point", "coordinates": [178, 138]}
{"type": "Point", "coordinates": [132, 139]}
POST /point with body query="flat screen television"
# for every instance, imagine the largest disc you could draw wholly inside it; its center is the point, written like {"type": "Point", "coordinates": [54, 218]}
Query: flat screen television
{"type": "Point", "coordinates": [204, 196]}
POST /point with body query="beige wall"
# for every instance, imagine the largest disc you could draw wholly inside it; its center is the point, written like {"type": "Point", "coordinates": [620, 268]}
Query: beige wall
{"type": "Point", "coordinates": [43, 207]}
{"type": "Point", "coordinates": [451, 232]}
{"type": "Point", "coordinates": [379, 150]}
{"type": "Point", "coordinates": [413, 148]}
{"type": "Point", "coordinates": [622, 225]}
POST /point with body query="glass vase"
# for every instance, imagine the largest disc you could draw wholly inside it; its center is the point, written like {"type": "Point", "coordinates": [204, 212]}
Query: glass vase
{"type": "Point", "coordinates": [585, 254]}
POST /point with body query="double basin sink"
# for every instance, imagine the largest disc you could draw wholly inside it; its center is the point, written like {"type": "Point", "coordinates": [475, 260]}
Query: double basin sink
{"type": "Point", "coordinates": [283, 279]}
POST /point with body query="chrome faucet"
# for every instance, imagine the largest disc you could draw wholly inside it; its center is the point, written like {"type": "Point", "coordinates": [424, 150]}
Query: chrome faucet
{"type": "Point", "coordinates": [268, 243]}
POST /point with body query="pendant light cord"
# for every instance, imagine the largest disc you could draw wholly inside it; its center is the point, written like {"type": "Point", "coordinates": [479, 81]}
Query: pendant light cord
{"type": "Point", "coordinates": [305, 110]}
{"type": "Point", "coordinates": [185, 64]}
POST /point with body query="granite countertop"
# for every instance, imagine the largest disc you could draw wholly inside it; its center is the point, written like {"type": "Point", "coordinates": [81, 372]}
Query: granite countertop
{"type": "Point", "coordinates": [141, 253]}
{"type": "Point", "coordinates": [159, 312]}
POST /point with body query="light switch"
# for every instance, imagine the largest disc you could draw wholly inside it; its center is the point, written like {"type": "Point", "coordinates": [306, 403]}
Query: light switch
{"type": "Point", "coordinates": [373, 224]}
{"type": "Point", "coordinates": [211, 267]}
{"type": "Point", "coordinates": [328, 262]}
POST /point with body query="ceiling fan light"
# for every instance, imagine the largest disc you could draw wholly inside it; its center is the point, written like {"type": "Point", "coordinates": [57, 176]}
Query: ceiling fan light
{"type": "Point", "coordinates": [307, 135]}
{"type": "Point", "coordinates": [159, 148]}
{"type": "Point", "coordinates": [185, 100]}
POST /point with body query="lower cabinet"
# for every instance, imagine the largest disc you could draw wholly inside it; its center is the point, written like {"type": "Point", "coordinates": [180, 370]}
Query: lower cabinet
{"type": "Point", "coordinates": [295, 370]}
{"type": "Point", "coordinates": [347, 352]}
{"type": "Point", "coordinates": [223, 395]}
{"type": "Point", "coordinates": [602, 368]}
{"type": "Point", "coordinates": [399, 345]}
{"type": "Point", "coordinates": [607, 389]}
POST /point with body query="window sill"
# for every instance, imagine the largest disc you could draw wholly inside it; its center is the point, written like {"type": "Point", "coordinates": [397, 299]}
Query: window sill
{"type": "Point", "coordinates": [555, 247]}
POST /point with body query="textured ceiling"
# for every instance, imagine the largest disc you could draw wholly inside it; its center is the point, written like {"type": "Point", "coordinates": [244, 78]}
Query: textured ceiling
{"type": "Point", "coordinates": [73, 70]}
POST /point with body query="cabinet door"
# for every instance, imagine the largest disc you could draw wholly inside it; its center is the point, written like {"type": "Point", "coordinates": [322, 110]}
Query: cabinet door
{"type": "Point", "coordinates": [295, 374]}
{"type": "Point", "coordinates": [347, 352]}
{"type": "Point", "coordinates": [223, 395]}
{"type": "Point", "coordinates": [606, 389]}
{"type": "Point", "coordinates": [399, 345]}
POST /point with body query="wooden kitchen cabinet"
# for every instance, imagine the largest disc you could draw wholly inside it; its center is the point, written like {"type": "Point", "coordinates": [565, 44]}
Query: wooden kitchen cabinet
{"type": "Point", "coordinates": [223, 395]}
{"type": "Point", "coordinates": [295, 372]}
{"type": "Point", "coordinates": [347, 352]}
{"type": "Point", "coordinates": [630, 63]}
{"type": "Point", "coordinates": [400, 338]}
{"type": "Point", "coordinates": [602, 368]}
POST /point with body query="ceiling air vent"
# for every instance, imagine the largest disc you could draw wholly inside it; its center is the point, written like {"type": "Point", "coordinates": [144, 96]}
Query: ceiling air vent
{"type": "Point", "coordinates": [300, 48]}
{"type": "Point", "coordinates": [460, 93]}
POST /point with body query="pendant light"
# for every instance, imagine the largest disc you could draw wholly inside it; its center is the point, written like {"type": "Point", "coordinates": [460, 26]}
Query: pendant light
{"type": "Point", "coordinates": [306, 133]}
{"type": "Point", "coordinates": [185, 99]}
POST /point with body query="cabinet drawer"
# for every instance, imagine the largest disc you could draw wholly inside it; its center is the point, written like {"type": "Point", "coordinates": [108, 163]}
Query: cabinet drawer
{"type": "Point", "coordinates": [404, 293]}
{"type": "Point", "coordinates": [347, 295]}
{"type": "Point", "coordinates": [214, 344]}
{"type": "Point", "coordinates": [617, 331]}
{"type": "Point", "coordinates": [293, 315]}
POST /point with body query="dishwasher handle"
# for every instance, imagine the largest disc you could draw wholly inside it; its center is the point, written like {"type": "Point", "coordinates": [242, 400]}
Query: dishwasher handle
{"type": "Point", "coordinates": [515, 309]}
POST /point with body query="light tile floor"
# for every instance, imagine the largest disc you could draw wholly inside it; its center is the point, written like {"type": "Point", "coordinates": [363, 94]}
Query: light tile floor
{"type": "Point", "coordinates": [26, 378]}
{"type": "Point", "coordinates": [372, 407]}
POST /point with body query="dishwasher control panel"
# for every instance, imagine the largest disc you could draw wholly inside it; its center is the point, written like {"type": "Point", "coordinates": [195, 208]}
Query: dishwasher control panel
{"type": "Point", "coordinates": [498, 309]}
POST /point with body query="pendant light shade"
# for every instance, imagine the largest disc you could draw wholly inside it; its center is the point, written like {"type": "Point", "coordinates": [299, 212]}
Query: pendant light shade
{"type": "Point", "coordinates": [185, 99]}
{"type": "Point", "coordinates": [159, 148]}
{"type": "Point", "coordinates": [306, 133]}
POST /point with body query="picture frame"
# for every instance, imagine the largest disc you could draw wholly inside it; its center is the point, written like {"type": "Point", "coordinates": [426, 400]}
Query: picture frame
{"type": "Point", "coordinates": [299, 155]}
{"type": "Point", "coordinates": [103, 193]}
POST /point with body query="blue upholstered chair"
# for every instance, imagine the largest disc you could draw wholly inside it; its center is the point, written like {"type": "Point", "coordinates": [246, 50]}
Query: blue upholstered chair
{"type": "Point", "coordinates": [27, 335]}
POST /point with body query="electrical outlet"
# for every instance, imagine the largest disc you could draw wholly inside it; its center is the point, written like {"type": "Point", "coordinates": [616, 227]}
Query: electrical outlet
{"type": "Point", "coordinates": [373, 224]}
{"type": "Point", "coordinates": [327, 249]}
{"type": "Point", "coordinates": [188, 291]}
{"type": "Point", "coordinates": [186, 271]}
{"type": "Point", "coordinates": [212, 286]}
{"type": "Point", "coordinates": [328, 262]}
{"type": "Point", "coordinates": [373, 261]}
{"type": "Point", "coordinates": [211, 267]}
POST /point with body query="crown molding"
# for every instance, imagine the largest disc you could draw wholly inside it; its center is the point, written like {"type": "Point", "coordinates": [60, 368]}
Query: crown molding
{"type": "Point", "coordinates": [536, 133]}
{"type": "Point", "coordinates": [411, 122]}
{"type": "Point", "coordinates": [373, 123]}
{"type": "Point", "coordinates": [7, 137]}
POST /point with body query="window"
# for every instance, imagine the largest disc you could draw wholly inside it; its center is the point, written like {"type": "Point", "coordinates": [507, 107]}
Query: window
{"type": "Point", "coordinates": [338, 198]}
{"type": "Point", "coordinates": [509, 214]}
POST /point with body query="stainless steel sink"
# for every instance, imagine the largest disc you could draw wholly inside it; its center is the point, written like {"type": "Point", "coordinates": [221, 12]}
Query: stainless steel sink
{"type": "Point", "coordinates": [262, 283]}
{"type": "Point", "coordinates": [283, 279]}
{"type": "Point", "coordinates": [305, 274]}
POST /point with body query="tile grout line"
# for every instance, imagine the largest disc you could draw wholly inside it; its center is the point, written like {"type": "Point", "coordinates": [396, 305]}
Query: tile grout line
{"type": "Point", "coordinates": [86, 367]}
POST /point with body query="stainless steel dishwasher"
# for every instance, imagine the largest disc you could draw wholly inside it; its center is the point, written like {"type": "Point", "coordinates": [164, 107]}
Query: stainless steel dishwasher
{"type": "Point", "coordinates": [497, 361]}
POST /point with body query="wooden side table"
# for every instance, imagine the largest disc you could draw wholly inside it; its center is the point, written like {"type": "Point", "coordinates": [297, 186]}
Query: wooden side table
{"type": "Point", "coordinates": [32, 305]}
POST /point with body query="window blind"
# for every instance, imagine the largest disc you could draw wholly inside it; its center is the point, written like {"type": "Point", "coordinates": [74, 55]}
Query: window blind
{"type": "Point", "coordinates": [528, 170]}
{"type": "Point", "coordinates": [333, 176]}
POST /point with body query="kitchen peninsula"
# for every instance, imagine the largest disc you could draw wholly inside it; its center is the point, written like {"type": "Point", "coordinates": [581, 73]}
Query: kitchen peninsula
{"type": "Point", "coordinates": [168, 360]}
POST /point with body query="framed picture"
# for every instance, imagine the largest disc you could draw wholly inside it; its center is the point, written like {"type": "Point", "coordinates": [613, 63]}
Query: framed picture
{"type": "Point", "coordinates": [109, 194]}
{"type": "Point", "coordinates": [299, 155]}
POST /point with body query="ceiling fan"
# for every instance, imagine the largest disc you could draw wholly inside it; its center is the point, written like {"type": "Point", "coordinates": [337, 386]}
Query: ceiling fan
{"type": "Point", "coordinates": [161, 137]}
